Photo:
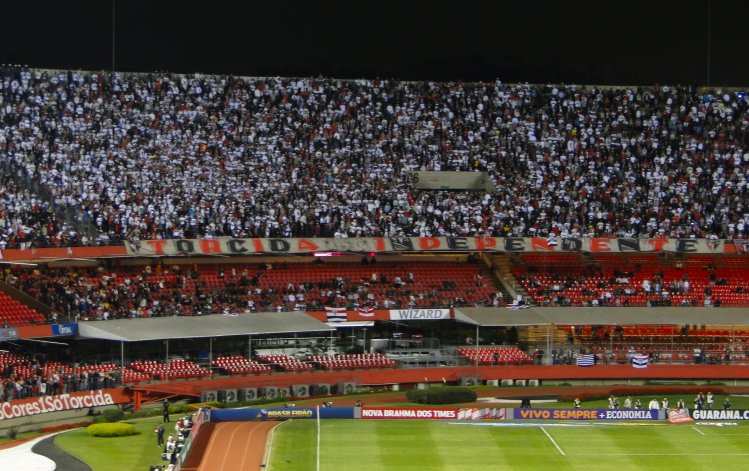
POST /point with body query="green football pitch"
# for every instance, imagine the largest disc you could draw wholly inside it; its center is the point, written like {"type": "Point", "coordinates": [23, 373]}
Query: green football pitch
{"type": "Point", "coordinates": [378, 445]}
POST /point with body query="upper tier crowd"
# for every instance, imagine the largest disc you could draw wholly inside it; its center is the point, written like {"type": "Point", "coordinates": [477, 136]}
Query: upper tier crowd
{"type": "Point", "coordinates": [146, 156]}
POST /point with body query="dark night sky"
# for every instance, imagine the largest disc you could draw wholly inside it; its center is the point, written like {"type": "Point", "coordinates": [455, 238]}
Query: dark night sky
{"type": "Point", "coordinates": [606, 42]}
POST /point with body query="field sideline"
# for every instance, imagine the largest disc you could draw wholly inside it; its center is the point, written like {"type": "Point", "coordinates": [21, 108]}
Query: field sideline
{"type": "Point", "coordinates": [382, 445]}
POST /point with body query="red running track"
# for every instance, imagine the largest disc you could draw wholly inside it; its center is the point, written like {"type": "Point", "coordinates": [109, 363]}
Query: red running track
{"type": "Point", "coordinates": [237, 446]}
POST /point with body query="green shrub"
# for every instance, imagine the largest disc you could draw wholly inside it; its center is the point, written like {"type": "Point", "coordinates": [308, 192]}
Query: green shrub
{"type": "Point", "coordinates": [112, 415]}
{"type": "Point", "coordinates": [142, 413]}
{"type": "Point", "coordinates": [442, 395]}
{"type": "Point", "coordinates": [181, 409]}
{"type": "Point", "coordinates": [118, 429]}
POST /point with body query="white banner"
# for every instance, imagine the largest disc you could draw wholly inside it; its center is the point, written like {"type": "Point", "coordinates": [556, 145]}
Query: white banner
{"type": "Point", "coordinates": [230, 246]}
{"type": "Point", "coordinates": [419, 314]}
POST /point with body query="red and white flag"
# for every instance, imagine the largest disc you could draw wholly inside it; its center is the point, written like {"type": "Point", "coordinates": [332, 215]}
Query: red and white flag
{"type": "Point", "coordinates": [742, 245]}
{"type": "Point", "coordinates": [366, 311]}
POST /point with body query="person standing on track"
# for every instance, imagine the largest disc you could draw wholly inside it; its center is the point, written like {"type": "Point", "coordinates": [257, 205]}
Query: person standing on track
{"type": "Point", "coordinates": [165, 410]}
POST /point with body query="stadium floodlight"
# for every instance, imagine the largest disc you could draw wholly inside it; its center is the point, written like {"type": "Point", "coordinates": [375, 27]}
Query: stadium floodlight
{"type": "Point", "coordinates": [326, 254]}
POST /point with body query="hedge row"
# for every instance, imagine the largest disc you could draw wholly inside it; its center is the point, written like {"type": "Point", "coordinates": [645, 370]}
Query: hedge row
{"type": "Point", "coordinates": [118, 429]}
{"type": "Point", "coordinates": [441, 395]}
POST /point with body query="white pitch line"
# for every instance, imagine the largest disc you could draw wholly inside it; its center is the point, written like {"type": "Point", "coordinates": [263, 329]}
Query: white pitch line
{"type": "Point", "coordinates": [661, 454]}
{"type": "Point", "coordinates": [318, 440]}
{"type": "Point", "coordinates": [269, 445]}
{"type": "Point", "coordinates": [553, 441]}
{"type": "Point", "coordinates": [698, 431]}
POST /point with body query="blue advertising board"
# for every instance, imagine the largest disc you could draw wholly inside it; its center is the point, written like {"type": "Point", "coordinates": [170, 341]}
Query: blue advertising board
{"type": "Point", "coordinates": [64, 329]}
{"type": "Point", "coordinates": [587, 414]}
{"type": "Point", "coordinates": [8, 334]}
{"type": "Point", "coordinates": [280, 413]}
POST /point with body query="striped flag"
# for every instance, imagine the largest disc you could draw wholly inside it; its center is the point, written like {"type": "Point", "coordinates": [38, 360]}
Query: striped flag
{"type": "Point", "coordinates": [336, 314]}
{"type": "Point", "coordinates": [366, 311]}
{"type": "Point", "coordinates": [742, 245]}
{"type": "Point", "coordinates": [640, 360]}
{"type": "Point", "coordinates": [586, 359]}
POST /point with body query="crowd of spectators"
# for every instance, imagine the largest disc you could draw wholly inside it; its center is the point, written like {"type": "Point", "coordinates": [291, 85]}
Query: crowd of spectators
{"type": "Point", "coordinates": [598, 286]}
{"type": "Point", "coordinates": [102, 293]}
{"type": "Point", "coordinates": [22, 377]}
{"type": "Point", "coordinates": [158, 155]}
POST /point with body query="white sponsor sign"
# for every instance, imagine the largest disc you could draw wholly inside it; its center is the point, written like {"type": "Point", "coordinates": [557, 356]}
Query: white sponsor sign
{"type": "Point", "coordinates": [419, 314]}
{"type": "Point", "coordinates": [718, 414]}
{"type": "Point", "coordinates": [44, 404]}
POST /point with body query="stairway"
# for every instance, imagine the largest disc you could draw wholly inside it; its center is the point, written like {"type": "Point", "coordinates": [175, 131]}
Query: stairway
{"type": "Point", "coordinates": [497, 269]}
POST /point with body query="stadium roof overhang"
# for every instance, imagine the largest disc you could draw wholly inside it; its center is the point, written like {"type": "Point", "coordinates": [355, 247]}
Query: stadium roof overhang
{"type": "Point", "coordinates": [162, 328]}
{"type": "Point", "coordinates": [496, 317]}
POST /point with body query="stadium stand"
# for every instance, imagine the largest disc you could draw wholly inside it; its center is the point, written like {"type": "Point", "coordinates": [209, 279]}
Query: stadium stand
{"type": "Point", "coordinates": [285, 362]}
{"type": "Point", "coordinates": [90, 158]}
{"type": "Point", "coordinates": [628, 281]}
{"type": "Point", "coordinates": [495, 355]}
{"type": "Point", "coordinates": [148, 291]}
{"type": "Point", "coordinates": [174, 369]}
{"type": "Point", "coordinates": [14, 313]}
{"type": "Point", "coordinates": [159, 155]}
{"type": "Point", "coordinates": [239, 365]}
{"type": "Point", "coordinates": [352, 361]}
{"type": "Point", "coordinates": [25, 376]}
